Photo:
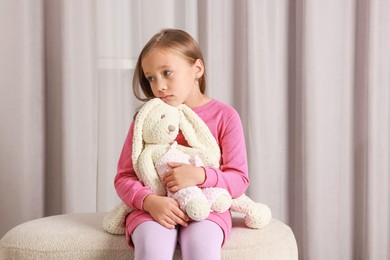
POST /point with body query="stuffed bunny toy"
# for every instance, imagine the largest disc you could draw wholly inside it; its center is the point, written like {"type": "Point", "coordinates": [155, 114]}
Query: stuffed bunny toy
{"type": "Point", "coordinates": [155, 128]}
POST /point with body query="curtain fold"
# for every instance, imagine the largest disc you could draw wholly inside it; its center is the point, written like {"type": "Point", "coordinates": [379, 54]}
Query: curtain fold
{"type": "Point", "coordinates": [79, 97]}
{"type": "Point", "coordinates": [327, 83]}
{"type": "Point", "coordinates": [71, 106]}
{"type": "Point", "coordinates": [378, 131]}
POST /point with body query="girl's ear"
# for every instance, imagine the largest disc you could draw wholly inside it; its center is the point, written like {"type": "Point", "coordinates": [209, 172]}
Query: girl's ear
{"type": "Point", "coordinates": [199, 68]}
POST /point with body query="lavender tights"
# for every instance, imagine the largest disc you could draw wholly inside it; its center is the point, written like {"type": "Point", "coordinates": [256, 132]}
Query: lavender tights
{"type": "Point", "coordinates": [199, 240]}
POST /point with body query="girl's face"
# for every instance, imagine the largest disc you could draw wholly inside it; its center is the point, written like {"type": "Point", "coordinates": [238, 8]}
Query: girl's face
{"type": "Point", "coordinates": [172, 78]}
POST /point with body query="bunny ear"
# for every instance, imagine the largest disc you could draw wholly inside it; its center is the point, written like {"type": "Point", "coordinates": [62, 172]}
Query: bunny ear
{"type": "Point", "coordinates": [198, 135]}
{"type": "Point", "coordinates": [138, 143]}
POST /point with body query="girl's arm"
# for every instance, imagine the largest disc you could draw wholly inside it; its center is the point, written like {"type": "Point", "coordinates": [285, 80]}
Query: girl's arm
{"type": "Point", "coordinates": [233, 172]}
{"type": "Point", "coordinates": [131, 191]}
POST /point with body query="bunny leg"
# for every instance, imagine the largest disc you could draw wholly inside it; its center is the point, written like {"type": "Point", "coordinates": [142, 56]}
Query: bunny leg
{"type": "Point", "coordinates": [219, 199]}
{"type": "Point", "coordinates": [192, 201]}
{"type": "Point", "coordinates": [257, 215]}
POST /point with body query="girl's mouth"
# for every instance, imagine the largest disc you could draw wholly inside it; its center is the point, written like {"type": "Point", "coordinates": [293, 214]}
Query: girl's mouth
{"type": "Point", "coordinates": [167, 97]}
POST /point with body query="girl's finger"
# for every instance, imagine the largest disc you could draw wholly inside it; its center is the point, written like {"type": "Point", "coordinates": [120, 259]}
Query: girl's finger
{"type": "Point", "coordinates": [167, 224]}
{"type": "Point", "coordinates": [180, 214]}
{"type": "Point", "coordinates": [173, 188]}
{"type": "Point", "coordinates": [175, 164]}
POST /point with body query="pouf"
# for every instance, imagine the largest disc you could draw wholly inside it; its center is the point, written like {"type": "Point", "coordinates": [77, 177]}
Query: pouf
{"type": "Point", "coordinates": [81, 236]}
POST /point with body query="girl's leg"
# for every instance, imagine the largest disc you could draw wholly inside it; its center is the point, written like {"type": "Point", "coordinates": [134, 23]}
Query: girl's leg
{"type": "Point", "coordinates": [201, 240]}
{"type": "Point", "coordinates": [153, 241]}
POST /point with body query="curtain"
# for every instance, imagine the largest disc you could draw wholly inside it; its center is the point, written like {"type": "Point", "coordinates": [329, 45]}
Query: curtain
{"type": "Point", "coordinates": [48, 104]}
{"type": "Point", "coordinates": [21, 111]}
{"type": "Point", "coordinates": [310, 80]}
{"type": "Point", "coordinates": [71, 112]}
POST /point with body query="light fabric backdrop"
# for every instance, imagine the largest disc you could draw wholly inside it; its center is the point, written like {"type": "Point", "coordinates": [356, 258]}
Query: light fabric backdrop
{"type": "Point", "coordinates": [310, 79]}
{"type": "Point", "coordinates": [48, 104]}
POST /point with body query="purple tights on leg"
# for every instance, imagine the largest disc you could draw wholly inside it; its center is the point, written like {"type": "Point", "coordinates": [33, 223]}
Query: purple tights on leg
{"type": "Point", "coordinates": [199, 240]}
{"type": "Point", "coordinates": [153, 241]}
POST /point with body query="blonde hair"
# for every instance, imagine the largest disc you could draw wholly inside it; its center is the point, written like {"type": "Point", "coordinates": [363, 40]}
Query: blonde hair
{"type": "Point", "coordinates": [168, 39]}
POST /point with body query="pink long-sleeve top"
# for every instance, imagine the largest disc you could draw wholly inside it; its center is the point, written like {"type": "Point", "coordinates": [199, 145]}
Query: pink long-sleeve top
{"type": "Point", "coordinates": [225, 125]}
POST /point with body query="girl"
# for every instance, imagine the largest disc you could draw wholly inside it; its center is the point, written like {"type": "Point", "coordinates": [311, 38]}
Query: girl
{"type": "Point", "coordinates": [171, 67]}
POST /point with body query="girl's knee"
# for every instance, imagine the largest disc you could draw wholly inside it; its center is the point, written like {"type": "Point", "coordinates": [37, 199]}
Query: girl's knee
{"type": "Point", "coordinates": [201, 240]}
{"type": "Point", "coordinates": [153, 241]}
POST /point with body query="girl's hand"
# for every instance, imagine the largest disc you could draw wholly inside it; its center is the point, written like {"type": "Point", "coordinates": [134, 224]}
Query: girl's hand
{"type": "Point", "coordinates": [182, 176]}
{"type": "Point", "coordinates": [165, 211]}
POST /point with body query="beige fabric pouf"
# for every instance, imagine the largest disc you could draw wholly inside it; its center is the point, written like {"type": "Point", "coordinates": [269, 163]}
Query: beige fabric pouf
{"type": "Point", "coordinates": [81, 236]}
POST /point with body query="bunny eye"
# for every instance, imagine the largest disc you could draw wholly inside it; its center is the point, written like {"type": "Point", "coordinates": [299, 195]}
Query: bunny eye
{"type": "Point", "coordinates": [162, 116]}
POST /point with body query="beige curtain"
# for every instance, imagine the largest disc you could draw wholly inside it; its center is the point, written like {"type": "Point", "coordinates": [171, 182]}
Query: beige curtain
{"type": "Point", "coordinates": [22, 89]}
{"type": "Point", "coordinates": [310, 79]}
{"type": "Point", "coordinates": [311, 82]}
{"type": "Point", "coordinates": [48, 104]}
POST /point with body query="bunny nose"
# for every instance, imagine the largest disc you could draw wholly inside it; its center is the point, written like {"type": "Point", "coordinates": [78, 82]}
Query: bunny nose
{"type": "Point", "coordinates": [171, 128]}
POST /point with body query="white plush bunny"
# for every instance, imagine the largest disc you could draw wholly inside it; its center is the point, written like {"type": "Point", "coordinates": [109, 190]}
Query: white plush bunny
{"type": "Point", "coordinates": [156, 126]}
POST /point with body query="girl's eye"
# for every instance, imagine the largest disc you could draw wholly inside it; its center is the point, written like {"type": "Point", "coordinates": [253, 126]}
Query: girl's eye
{"type": "Point", "coordinates": [167, 73]}
{"type": "Point", "coordinates": [150, 79]}
{"type": "Point", "coordinates": [162, 116]}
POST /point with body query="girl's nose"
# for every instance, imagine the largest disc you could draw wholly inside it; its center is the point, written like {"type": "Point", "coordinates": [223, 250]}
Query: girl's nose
{"type": "Point", "coordinates": [162, 86]}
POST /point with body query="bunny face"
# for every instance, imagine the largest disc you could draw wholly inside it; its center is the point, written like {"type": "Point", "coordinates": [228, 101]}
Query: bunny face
{"type": "Point", "coordinates": [161, 125]}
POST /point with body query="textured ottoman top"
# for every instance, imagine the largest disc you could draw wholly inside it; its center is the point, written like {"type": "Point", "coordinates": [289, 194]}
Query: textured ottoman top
{"type": "Point", "coordinates": [81, 236]}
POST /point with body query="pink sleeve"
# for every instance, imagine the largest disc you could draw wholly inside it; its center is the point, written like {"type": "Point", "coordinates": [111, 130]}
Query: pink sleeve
{"type": "Point", "coordinates": [233, 172]}
{"type": "Point", "coordinates": [131, 191]}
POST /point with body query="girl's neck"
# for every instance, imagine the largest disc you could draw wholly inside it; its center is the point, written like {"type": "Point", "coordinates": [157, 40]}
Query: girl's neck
{"type": "Point", "coordinates": [198, 100]}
